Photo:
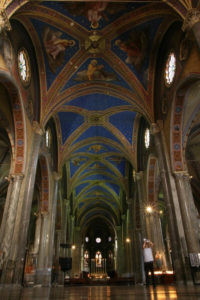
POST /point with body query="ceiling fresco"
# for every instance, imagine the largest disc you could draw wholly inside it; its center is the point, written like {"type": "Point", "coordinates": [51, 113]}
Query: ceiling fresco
{"type": "Point", "coordinates": [96, 68]}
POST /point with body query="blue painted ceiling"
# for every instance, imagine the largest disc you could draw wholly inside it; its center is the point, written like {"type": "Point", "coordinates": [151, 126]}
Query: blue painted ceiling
{"type": "Point", "coordinates": [96, 57]}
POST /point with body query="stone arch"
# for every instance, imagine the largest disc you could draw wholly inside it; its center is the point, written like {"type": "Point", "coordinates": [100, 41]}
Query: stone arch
{"type": "Point", "coordinates": [177, 140]}
{"type": "Point", "coordinates": [19, 157]}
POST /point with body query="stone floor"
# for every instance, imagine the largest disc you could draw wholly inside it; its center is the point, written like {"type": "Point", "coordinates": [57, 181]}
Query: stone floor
{"type": "Point", "coordinates": [101, 293]}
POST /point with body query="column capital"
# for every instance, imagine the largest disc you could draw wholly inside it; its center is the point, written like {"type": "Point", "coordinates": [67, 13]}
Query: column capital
{"type": "Point", "coordinates": [118, 228]}
{"type": "Point", "coordinates": [4, 21]}
{"type": "Point", "coordinates": [182, 174]}
{"type": "Point", "coordinates": [66, 203]}
{"type": "Point", "coordinates": [15, 176]}
{"type": "Point", "coordinates": [139, 175]}
{"type": "Point", "coordinates": [56, 176]}
{"type": "Point", "coordinates": [154, 129]}
{"type": "Point", "coordinates": [129, 201]}
{"type": "Point", "coordinates": [123, 217]}
{"type": "Point", "coordinates": [192, 17]}
{"type": "Point", "coordinates": [44, 213]}
{"type": "Point", "coordinates": [37, 128]}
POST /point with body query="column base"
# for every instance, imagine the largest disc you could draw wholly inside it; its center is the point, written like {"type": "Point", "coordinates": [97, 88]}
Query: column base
{"type": "Point", "coordinates": [8, 273]}
{"type": "Point", "coordinates": [43, 277]}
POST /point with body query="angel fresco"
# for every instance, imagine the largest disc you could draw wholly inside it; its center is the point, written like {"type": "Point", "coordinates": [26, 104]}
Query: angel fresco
{"type": "Point", "coordinates": [55, 47]}
{"type": "Point", "coordinates": [135, 46]}
{"type": "Point", "coordinates": [94, 11]}
{"type": "Point", "coordinates": [95, 71]}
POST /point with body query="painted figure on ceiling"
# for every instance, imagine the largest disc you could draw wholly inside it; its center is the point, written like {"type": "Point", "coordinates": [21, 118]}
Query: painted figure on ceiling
{"type": "Point", "coordinates": [94, 11]}
{"type": "Point", "coordinates": [95, 71]}
{"type": "Point", "coordinates": [135, 47]}
{"type": "Point", "coordinates": [92, 67]}
{"type": "Point", "coordinates": [55, 47]}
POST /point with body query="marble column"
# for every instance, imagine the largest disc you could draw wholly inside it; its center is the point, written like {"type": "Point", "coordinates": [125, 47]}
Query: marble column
{"type": "Point", "coordinates": [58, 234]}
{"type": "Point", "coordinates": [24, 208]}
{"type": "Point", "coordinates": [76, 253]}
{"type": "Point", "coordinates": [139, 228]}
{"type": "Point", "coordinates": [45, 256]}
{"type": "Point", "coordinates": [64, 224]}
{"type": "Point", "coordinates": [129, 246]}
{"type": "Point", "coordinates": [180, 269]}
{"type": "Point", "coordinates": [43, 272]}
{"type": "Point", "coordinates": [8, 226]}
{"type": "Point", "coordinates": [140, 186]}
{"type": "Point", "coordinates": [120, 251]}
{"type": "Point", "coordinates": [52, 219]}
{"type": "Point", "coordinates": [37, 234]}
{"type": "Point", "coordinates": [192, 22]}
{"type": "Point", "coordinates": [58, 249]}
{"type": "Point", "coordinates": [188, 212]}
{"type": "Point", "coordinates": [156, 236]}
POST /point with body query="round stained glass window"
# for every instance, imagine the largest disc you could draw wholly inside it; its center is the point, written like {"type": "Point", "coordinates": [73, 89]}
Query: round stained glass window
{"type": "Point", "coordinates": [147, 138]}
{"type": "Point", "coordinates": [24, 66]}
{"type": "Point", "coordinates": [98, 240]}
{"type": "Point", "coordinates": [170, 69]}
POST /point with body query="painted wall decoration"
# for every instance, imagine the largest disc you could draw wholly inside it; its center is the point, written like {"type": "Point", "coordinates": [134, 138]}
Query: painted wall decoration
{"type": "Point", "coordinates": [55, 47]}
{"type": "Point", "coordinates": [95, 71]}
{"type": "Point", "coordinates": [95, 12]}
{"type": "Point", "coordinates": [135, 46]}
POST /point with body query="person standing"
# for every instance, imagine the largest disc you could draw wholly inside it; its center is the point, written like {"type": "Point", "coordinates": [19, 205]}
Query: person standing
{"type": "Point", "coordinates": [148, 261]}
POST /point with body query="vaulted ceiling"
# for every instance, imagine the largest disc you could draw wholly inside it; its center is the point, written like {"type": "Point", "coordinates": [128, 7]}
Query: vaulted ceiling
{"type": "Point", "coordinates": [96, 68]}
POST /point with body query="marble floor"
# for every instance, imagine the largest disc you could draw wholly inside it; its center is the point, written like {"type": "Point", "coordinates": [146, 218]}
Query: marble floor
{"type": "Point", "coordinates": [100, 293]}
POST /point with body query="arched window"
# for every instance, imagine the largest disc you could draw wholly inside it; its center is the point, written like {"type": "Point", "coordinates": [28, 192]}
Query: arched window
{"type": "Point", "coordinates": [48, 137]}
{"type": "Point", "coordinates": [170, 68]}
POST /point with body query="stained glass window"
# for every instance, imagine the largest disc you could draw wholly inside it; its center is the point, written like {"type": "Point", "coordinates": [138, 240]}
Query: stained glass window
{"type": "Point", "coordinates": [48, 137]}
{"type": "Point", "coordinates": [147, 138]}
{"type": "Point", "coordinates": [170, 69]}
{"type": "Point", "coordinates": [24, 66]}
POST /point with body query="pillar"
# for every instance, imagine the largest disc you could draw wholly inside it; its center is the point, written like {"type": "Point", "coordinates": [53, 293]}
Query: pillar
{"type": "Point", "coordinates": [188, 212]}
{"type": "Point", "coordinates": [120, 251]}
{"type": "Point", "coordinates": [37, 234]}
{"type": "Point", "coordinates": [18, 249]}
{"type": "Point", "coordinates": [8, 226]}
{"type": "Point", "coordinates": [76, 253]}
{"type": "Point", "coordinates": [64, 224]}
{"type": "Point", "coordinates": [52, 220]}
{"type": "Point", "coordinates": [172, 207]}
{"type": "Point", "coordinates": [139, 227]}
{"type": "Point", "coordinates": [43, 272]}
{"type": "Point", "coordinates": [129, 246]}
{"type": "Point", "coordinates": [45, 255]}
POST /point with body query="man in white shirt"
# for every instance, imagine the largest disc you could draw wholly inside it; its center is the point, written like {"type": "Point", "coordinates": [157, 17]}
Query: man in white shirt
{"type": "Point", "coordinates": [148, 261]}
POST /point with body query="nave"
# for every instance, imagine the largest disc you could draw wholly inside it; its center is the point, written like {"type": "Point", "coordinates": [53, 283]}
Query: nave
{"type": "Point", "coordinates": [138, 292]}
